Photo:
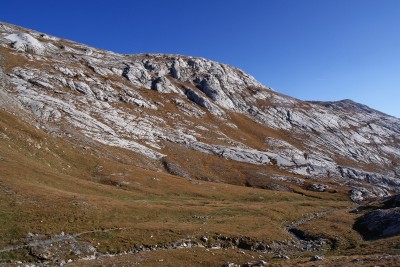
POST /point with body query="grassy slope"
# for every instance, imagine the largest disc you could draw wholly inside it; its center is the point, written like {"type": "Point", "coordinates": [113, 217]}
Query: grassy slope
{"type": "Point", "coordinates": [48, 185]}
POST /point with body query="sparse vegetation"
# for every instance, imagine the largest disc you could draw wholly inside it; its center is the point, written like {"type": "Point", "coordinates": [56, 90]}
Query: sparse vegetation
{"type": "Point", "coordinates": [61, 188]}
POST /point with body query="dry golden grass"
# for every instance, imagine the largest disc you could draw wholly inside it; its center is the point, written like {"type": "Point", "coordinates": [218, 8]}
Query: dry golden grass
{"type": "Point", "coordinates": [344, 261]}
{"type": "Point", "coordinates": [338, 228]}
{"type": "Point", "coordinates": [49, 185]}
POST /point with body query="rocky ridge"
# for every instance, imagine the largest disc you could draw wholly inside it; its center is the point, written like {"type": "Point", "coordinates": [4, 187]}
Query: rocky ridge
{"type": "Point", "coordinates": [147, 102]}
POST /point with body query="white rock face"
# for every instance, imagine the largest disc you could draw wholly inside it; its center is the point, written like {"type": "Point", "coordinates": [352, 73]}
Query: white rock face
{"type": "Point", "coordinates": [82, 88]}
{"type": "Point", "coordinates": [137, 75]}
{"type": "Point", "coordinates": [24, 42]}
{"type": "Point", "coordinates": [139, 102]}
{"type": "Point", "coordinates": [204, 102]}
{"type": "Point", "coordinates": [163, 85]}
{"type": "Point", "coordinates": [212, 88]}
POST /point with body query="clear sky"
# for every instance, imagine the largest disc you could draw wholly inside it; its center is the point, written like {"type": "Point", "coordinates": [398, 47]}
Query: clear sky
{"type": "Point", "coordinates": [309, 49]}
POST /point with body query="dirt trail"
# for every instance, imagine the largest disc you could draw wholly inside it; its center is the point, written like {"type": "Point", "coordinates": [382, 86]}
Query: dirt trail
{"type": "Point", "coordinates": [309, 218]}
{"type": "Point", "coordinates": [57, 239]}
{"type": "Point", "coordinates": [61, 238]}
{"type": "Point", "coordinates": [303, 243]}
{"type": "Point", "coordinates": [304, 220]}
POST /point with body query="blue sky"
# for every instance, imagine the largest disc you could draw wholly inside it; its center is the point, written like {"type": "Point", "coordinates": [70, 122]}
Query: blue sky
{"type": "Point", "coordinates": [309, 49]}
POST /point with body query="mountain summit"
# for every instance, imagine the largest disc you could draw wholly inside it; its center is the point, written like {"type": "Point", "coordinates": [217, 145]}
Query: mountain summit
{"type": "Point", "coordinates": [193, 118]}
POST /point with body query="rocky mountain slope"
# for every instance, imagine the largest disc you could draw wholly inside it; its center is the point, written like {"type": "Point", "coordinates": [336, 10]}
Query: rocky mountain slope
{"type": "Point", "coordinates": [157, 159]}
{"type": "Point", "coordinates": [156, 104]}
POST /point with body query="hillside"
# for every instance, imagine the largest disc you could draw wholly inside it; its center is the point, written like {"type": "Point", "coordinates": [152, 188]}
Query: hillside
{"type": "Point", "coordinates": [164, 159]}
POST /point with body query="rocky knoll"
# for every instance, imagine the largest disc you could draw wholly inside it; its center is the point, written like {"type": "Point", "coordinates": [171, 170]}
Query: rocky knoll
{"type": "Point", "coordinates": [149, 102]}
{"type": "Point", "coordinates": [383, 221]}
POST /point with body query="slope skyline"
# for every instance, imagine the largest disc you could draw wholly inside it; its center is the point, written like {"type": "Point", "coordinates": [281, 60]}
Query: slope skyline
{"type": "Point", "coordinates": [311, 50]}
{"type": "Point", "coordinates": [158, 160]}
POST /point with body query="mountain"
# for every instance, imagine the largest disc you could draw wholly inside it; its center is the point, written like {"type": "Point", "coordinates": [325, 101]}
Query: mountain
{"type": "Point", "coordinates": [66, 107]}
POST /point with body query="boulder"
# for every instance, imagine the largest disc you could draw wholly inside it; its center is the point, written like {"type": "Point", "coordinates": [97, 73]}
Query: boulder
{"type": "Point", "coordinates": [317, 187]}
{"type": "Point", "coordinates": [379, 224]}
{"type": "Point", "coordinates": [392, 202]}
